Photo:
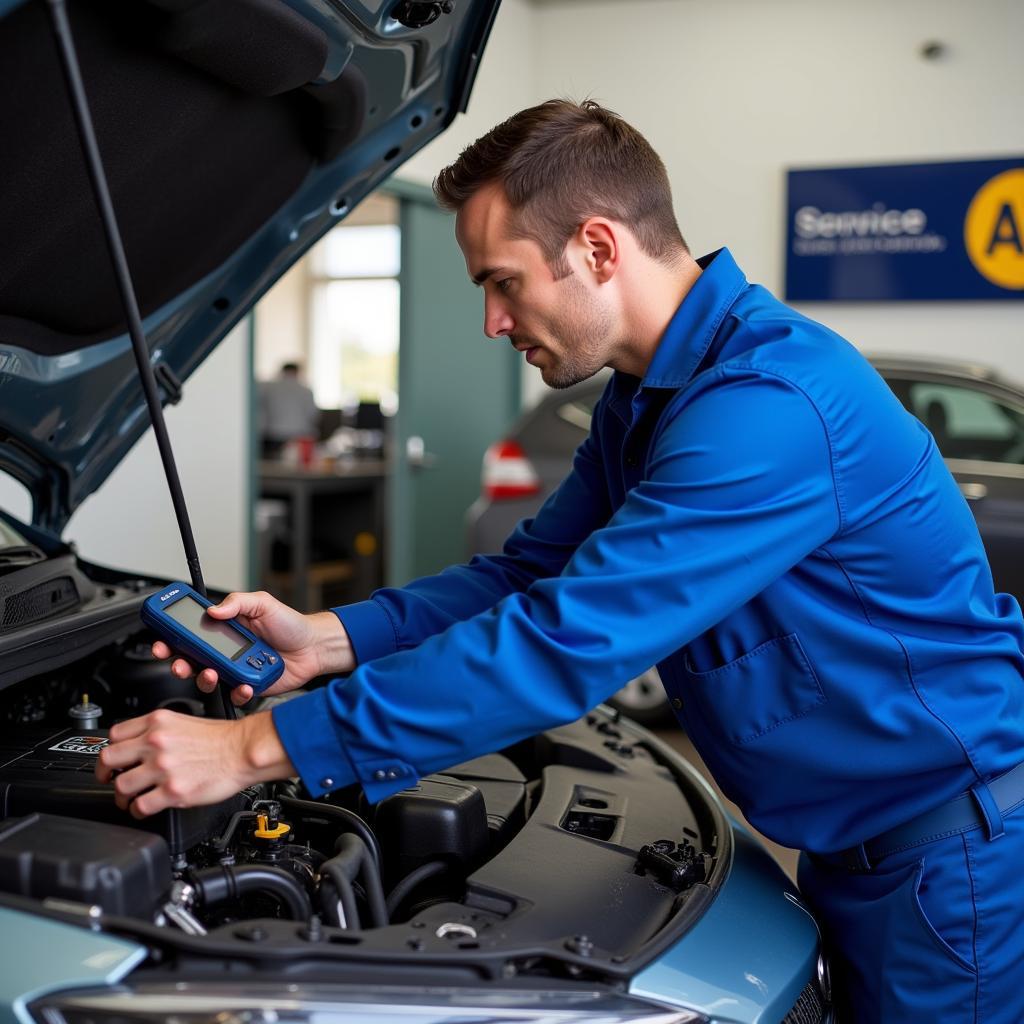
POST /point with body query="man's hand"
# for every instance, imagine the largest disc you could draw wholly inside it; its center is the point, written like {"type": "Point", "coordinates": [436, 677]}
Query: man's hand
{"type": "Point", "coordinates": [310, 645]}
{"type": "Point", "coordinates": [169, 760]}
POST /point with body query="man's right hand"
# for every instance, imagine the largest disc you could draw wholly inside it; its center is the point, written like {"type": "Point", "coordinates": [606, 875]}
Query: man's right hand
{"type": "Point", "coordinates": [311, 645]}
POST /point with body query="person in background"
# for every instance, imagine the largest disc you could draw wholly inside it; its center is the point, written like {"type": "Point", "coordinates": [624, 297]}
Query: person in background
{"type": "Point", "coordinates": [287, 411]}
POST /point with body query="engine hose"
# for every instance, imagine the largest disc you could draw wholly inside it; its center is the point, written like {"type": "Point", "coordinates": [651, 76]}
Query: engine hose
{"type": "Point", "coordinates": [337, 881]}
{"type": "Point", "coordinates": [369, 874]}
{"type": "Point", "coordinates": [222, 842]}
{"type": "Point", "coordinates": [353, 860]}
{"type": "Point", "coordinates": [228, 882]}
{"type": "Point", "coordinates": [402, 888]}
{"type": "Point", "coordinates": [309, 809]}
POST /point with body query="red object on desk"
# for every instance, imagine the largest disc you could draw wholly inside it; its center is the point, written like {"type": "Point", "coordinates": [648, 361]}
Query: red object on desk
{"type": "Point", "coordinates": [305, 446]}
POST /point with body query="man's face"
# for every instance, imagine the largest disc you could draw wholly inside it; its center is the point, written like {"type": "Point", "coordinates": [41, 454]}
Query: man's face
{"type": "Point", "coordinates": [564, 326]}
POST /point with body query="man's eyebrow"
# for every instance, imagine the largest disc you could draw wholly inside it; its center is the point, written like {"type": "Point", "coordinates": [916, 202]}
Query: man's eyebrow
{"type": "Point", "coordinates": [482, 276]}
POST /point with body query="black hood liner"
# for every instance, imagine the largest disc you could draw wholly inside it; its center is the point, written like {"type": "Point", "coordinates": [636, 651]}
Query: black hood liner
{"type": "Point", "coordinates": [205, 127]}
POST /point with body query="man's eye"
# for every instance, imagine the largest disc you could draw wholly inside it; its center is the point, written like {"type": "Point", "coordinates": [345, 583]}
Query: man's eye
{"type": "Point", "coordinates": [503, 284]}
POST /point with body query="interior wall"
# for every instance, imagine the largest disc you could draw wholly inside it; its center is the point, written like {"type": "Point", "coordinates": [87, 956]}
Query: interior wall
{"type": "Point", "coordinates": [506, 82]}
{"type": "Point", "coordinates": [510, 78]}
{"type": "Point", "coordinates": [733, 93]}
{"type": "Point", "coordinates": [129, 522]}
{"type": "Point", "coordinates": [282, 327]}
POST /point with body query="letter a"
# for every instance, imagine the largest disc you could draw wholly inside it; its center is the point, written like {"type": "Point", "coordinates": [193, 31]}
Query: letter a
{"type": "Point", "coordinates": [1006, 231]}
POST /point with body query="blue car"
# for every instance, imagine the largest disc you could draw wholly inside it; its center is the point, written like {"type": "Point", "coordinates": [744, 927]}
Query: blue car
{"type": "Point", "coordinates": [587, 874]}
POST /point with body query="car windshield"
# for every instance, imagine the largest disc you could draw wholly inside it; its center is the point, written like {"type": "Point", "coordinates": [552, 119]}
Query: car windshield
{"type": "Point", "coordinates": [968, 423]}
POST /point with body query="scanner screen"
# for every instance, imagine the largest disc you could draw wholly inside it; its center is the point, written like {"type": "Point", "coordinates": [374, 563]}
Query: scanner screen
{"type": "Point", "coordinates": [221, 636]}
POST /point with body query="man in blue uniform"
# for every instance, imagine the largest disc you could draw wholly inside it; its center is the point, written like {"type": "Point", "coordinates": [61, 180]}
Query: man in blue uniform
{"type": "Point", "coordinates": [753, 511]}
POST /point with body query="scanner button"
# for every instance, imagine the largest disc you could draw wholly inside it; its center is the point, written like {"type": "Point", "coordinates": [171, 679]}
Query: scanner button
{"type": "Point", "coordinates": [255, 662]}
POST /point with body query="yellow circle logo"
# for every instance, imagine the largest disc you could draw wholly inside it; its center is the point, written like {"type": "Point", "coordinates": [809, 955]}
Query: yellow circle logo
{"type": "Point", "coordinates": [994, 230]}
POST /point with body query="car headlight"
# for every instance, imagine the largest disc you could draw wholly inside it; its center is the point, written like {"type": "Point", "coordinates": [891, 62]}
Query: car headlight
{"type": "Point", "coordinates": [243, 1003]}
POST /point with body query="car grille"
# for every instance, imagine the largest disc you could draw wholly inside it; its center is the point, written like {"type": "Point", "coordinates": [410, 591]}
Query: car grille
{"type": "Point", "coordinates": [808, 1009]}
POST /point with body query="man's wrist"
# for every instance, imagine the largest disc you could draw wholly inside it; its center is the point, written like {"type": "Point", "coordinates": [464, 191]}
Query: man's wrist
{"type": "Point", "coordinates": [332, 644]}
{"type": "Point", "coordinates": [262, 752]}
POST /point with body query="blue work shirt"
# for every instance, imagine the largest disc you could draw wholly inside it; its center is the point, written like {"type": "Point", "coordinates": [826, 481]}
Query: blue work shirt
{"type": "Point", "coordinates": [761, 518]}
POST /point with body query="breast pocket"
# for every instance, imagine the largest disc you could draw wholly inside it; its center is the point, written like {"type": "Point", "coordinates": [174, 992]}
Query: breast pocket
{"type": "Point", "coordinates": [751, 697]}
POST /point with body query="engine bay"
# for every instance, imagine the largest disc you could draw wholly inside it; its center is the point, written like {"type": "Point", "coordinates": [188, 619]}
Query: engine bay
{"type": "Point", "coordinates": [492, 864]}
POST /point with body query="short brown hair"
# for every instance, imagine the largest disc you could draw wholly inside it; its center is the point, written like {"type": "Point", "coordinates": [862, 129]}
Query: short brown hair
{"type": "Point", "coordinates": [562, 162]}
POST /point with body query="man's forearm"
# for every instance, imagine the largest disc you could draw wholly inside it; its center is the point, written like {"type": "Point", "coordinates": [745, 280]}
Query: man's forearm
{"type": "Point", "coordinates": [333, 646]}
{"type": "Point", "coordinates": [263, 754]}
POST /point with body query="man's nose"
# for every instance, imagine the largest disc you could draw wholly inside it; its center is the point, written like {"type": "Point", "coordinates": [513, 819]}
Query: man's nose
{"type": "Point", "coordinates": [498, 322]}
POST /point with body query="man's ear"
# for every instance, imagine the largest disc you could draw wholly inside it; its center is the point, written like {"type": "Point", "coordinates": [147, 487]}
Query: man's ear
{"type": "Point", "coordinates": [601, 245]}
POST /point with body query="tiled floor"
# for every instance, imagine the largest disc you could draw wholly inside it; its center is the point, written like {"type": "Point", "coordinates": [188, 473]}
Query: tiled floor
{"type": "Point", "coordinates": [678, 740]}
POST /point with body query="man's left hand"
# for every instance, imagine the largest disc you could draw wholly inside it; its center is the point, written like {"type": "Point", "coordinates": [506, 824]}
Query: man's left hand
{"type": "Point", "coordinates": [165, 759]}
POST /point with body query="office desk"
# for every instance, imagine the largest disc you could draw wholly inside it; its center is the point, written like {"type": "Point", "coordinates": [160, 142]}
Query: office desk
{"type": "Point", "coordinates": [335, 529]}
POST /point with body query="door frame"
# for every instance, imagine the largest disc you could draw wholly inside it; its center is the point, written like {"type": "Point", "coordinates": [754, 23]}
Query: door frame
{"type": "Point", "coordinates": [399, 553]}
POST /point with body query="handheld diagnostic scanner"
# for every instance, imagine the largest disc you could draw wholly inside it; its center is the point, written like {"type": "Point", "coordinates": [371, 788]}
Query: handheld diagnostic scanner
{"type": "Point", "coordinates": [177, 614]}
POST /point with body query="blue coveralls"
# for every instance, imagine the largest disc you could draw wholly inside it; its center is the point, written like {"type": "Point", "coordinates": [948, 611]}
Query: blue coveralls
{"type": "Point", "coordinates": [761, 518]}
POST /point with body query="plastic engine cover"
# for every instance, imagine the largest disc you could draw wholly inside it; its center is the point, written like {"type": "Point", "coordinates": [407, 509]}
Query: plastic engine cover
{"type": "Point", "coordinates": [439, 818]}
{"type": "Point", "coordinates": [122, 870]}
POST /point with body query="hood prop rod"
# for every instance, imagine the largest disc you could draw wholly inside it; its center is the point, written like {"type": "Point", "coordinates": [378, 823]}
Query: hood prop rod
{"type": "Point", "coordinates": [101, 192]}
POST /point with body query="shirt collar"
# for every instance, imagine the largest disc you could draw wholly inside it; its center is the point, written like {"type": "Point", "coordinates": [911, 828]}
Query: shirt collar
{"type": "Point", "coordinates": [689, 334]}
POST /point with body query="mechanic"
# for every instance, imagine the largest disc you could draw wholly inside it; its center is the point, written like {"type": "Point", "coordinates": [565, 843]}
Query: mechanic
{"type": "Point", "coordinates": [755, 512]}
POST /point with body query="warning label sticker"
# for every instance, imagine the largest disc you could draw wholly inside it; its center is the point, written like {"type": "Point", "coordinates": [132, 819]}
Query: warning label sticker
{"type": "Point", "coordinates": [81, 745]}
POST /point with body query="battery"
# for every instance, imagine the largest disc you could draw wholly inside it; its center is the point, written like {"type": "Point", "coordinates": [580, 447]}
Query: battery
{"type": "Point", "coordinates": [52, 771]}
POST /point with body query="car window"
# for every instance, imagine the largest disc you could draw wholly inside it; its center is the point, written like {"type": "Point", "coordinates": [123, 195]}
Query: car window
{"type": "Point", "coordinates": [967, 423]}
{"type": "Point", "coordinates": [15, 499]}
{"type": "Point", "coordinates": [578, 413]}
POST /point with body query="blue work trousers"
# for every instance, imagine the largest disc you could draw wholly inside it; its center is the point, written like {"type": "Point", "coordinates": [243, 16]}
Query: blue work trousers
{"type": "Point", "coordinates": [931, 934]}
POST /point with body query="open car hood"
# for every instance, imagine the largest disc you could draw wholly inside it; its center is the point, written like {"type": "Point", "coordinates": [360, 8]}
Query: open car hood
{"type": "Point", "coordinates": [234, 134]}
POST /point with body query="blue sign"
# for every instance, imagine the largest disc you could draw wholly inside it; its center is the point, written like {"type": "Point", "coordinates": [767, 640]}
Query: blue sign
{"type": "Point", "coordinates": [908, 231]}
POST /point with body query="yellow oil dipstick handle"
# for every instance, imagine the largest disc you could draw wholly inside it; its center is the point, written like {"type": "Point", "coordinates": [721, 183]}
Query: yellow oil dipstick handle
{"type": "Point", "coordinates": [264, 831]}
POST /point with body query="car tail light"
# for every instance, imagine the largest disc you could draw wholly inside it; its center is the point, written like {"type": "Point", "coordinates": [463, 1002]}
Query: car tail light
{"type": "Point", "coordinates": [508, 473]}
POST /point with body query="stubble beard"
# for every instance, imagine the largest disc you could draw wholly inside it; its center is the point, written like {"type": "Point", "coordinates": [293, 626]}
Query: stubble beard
{"type": "Point", "coordinates": [584, 332]}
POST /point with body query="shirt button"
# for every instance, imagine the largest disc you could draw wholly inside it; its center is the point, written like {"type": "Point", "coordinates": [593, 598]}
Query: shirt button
{"type": "Point", "coordinates": [677, 703]}
{"type": "Point", "coordinates": [327, 783]}
{"type": "Point", "coordinates": [632, 461]}
{"type": "Point", "coordinates": [380, 774]}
